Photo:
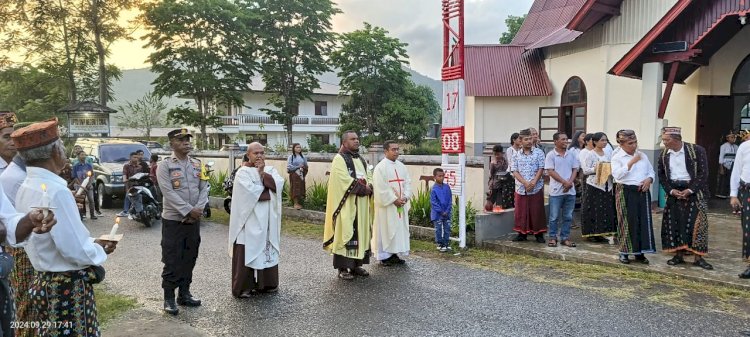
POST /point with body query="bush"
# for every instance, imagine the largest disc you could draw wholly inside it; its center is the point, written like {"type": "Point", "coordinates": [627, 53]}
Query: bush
{"type": "Point", "coordinates": [419, 213]}
{"type": "Point", "coordinates": [471, 215]}
{"type": "Point", "coordinates": [329, 148]}
{"type": "Point", "coordinates": [316, 196]}
{"type": "Point", "coordinates": [428, 147]}
{"type": "Point", "coordinates": [216, 182]}
{"type": "Point", "coordinates": [316, 145]}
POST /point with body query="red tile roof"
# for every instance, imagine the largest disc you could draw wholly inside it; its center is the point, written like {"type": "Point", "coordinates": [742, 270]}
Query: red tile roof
{"type": "Point", "coordinates": [518, 69]}
{"type": "Point", "coordinates": [545, 18]}
{"type": "Point", "coordinates": [505, 71]}
{"type": "Point", "coordinates": [593, 12]}
{"type": "Point", "coordinates": [560, 36]}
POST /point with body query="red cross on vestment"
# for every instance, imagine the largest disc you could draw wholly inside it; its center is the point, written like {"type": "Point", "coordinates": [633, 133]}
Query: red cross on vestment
{"type": "Point", "coordinates": [399, 181]}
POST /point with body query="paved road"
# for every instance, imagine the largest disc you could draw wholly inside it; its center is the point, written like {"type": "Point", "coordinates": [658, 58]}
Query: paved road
{"type": "Point", "coordinates": [425, 298]}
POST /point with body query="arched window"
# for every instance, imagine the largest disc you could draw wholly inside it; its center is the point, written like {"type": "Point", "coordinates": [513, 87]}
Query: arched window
{"type": "Point", "coordinates": [573, 107]}
{"type": "Point", "coordinates": [741, 93]}
{"type": "Point", "coordinates": [570, 116]}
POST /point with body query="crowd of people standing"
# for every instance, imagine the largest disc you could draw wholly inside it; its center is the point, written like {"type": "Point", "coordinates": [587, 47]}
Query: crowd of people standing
{"type": "Point", "coordinates": [611, 186]}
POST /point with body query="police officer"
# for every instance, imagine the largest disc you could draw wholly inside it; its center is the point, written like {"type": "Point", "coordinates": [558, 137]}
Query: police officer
{"type": "Point", "coordinates": [185, 193]}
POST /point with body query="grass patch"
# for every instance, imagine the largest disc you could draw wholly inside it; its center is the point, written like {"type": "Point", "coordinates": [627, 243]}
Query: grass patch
{"type": "Point", "coordinates": [110, 305]}
{"type": "Point", "coordinates": [219, 215]}
{"type": "Point", "coordinates": [301, 229]}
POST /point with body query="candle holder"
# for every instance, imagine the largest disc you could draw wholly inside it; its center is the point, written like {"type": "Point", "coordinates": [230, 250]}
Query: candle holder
{"type": "Point", "coordinates": [113, 236]}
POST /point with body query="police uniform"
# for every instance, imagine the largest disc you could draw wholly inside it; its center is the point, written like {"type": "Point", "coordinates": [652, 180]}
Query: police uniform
{"type": "Point", "coordinates": [183, 188]}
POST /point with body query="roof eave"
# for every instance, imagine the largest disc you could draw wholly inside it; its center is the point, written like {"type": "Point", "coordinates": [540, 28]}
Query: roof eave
{"type": "Point", "coordinates": [634, 53]}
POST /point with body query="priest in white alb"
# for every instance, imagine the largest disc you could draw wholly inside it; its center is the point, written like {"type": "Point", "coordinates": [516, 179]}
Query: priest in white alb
{"type": "Point", "coordinates": [255, 226]}
{"type": "Point", "coordinates": [392, 189]}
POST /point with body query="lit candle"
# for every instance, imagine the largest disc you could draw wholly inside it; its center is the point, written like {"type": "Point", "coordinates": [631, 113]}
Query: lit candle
{"type": "Point", "coordinates": [84, 184]}
{"type": "Point", "coordinates": [114, 228]}
{"type": "Point", "coordinates": [45, 201]}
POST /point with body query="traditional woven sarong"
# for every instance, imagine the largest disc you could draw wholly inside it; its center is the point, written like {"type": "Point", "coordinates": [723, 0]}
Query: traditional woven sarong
{"type": "Point", "coordinates": [635, 231]}
{"type": "Point", "coordinates": [600, 218]}
{"type": "Point", "coordinates": [744, 196]}
{"type": "Point", "coordinates": [530, 216]}
{"type": "Point", "coordinates": [504, 195]}
{"type": "Point", "coordinates": [20, 281]}
{"type": "Point", "coordinates": [6, 295]}
{"type": "Point", "coordinates": [685, 224]}
{"type": "Point", "coordinates": [296, 186]}
{"type": "Point", "coordinates": [66, 300]}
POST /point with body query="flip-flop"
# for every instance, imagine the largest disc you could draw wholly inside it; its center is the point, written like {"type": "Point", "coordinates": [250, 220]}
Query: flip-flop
{"type": "Point", "coordinates": [552, 243]}
{"type": "Point", "coordinates": [569, 243]}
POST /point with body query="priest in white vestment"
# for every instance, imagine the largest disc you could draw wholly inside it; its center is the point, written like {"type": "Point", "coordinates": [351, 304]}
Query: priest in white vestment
{"type": "Point", "coordinates": [255, 225]}
{"type": "Point", "coordinates": [392, 188]}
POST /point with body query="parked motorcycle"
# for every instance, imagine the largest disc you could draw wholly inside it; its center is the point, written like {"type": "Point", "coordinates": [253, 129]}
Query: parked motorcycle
{"type": "Point", "coordinates": [208, 168]}
{"type": "Point", "coordinates": [143, 204]}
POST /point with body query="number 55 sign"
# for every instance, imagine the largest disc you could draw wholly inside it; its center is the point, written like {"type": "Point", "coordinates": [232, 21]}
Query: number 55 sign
{"type": "Point", "coordinates": [452, 140]}
{"type": "Point", "coordinates": [453, 178]}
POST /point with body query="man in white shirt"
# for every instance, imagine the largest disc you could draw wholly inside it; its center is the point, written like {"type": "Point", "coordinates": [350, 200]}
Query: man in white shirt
{"type": "Point", "coordinates": [67, 260]}
{"type": "Point", "coordinates": [740, 190]}
{"type": "Point", "coordinates": [683, 172]}
{"type": "Point", "coordinates": [633, 176]}
{"type": "Point", "coordinates": [562, 167]}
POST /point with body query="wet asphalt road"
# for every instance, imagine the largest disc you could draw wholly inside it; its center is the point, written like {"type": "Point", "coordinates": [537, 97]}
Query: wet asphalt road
{"type": "Point", "coordinates": [425, 298]}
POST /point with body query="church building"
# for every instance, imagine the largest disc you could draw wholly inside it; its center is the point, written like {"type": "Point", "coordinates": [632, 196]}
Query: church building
{"type": "Point", "coordinates": [606, 65]}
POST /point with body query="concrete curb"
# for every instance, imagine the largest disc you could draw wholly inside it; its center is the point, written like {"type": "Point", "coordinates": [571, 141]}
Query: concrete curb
{"type": "Point", "coordinates": [318, 218]}
{"type": "Point", "coordinates": [511, 249]}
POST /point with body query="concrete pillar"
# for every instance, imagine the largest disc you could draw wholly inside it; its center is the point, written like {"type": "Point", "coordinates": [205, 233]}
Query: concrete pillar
{"type": "Point", "coordinates": [649, 139]}
{"type": "Point", "coordinates": [375, 154]}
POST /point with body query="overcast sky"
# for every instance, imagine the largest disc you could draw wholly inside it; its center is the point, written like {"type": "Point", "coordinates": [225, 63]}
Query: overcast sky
{"type": "Point", "coordinates": [416, 22]}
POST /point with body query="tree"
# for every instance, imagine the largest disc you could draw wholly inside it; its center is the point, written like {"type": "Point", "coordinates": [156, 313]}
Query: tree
{"type": "Point", "coordinates": [145, 114]}
{"type": "Point", "coordinates": [32, 93]}
{"type": "Point", "coordinates": [204, 49]}
{"type": "Point", "coordinates": [513, 24]}
{"type": "Point", "coordinates": [296, 37]}
{"type": "Point", "coordinates": [103, 19]}
{"type": "Point", "coordinates": [52, 34]}
{"type": "Point", "coordinates": [67, 38]}
{"type": "Point", "coordinates": [407, 116]}
{"type": "Point", "coordinates": [370, 68]}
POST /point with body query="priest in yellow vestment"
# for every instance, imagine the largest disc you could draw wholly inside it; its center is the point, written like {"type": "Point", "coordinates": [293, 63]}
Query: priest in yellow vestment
{"type": "Point", "coordinates": [392, 187]}
{"type": "Point", "coordinates": [348, 222]}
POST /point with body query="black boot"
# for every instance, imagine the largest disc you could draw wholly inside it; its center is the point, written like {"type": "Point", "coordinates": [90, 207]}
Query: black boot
{"type": "Point", "coordinates": [170, 306]}
{"type": "Point", "coordinates": [187, 299]}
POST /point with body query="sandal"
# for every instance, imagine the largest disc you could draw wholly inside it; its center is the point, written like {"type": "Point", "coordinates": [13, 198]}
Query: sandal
{"type": "Point", "coordinates": [552, 243]}
{"type": "Point", "coordinates": [569, 243]}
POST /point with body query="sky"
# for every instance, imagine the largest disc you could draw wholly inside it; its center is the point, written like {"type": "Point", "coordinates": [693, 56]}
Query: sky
{"type": "Point", "coordinates": [415, 22]}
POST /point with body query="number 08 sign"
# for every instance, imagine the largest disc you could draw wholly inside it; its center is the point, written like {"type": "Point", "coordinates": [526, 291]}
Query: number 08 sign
{"type": "Point", "coordinates": [452, 140]}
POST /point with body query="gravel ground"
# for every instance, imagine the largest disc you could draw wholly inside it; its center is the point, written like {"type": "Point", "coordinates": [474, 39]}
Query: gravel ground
{"type": "Point", "coordinates": [424, 298]}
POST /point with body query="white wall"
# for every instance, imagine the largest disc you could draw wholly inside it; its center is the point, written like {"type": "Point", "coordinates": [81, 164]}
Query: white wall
{"type": "Point", "coordinates": [494, 119]}
{"type": "Point", "coordinates": [257, 101]}
{"type": "Point", "coordinates": [717, 77]}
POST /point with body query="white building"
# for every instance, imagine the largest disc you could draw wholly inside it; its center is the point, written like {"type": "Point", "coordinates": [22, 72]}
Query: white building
{"type": "Point", "coordinates": [606, 65]}
{"type": "Point", "coordinates": [318, 118]}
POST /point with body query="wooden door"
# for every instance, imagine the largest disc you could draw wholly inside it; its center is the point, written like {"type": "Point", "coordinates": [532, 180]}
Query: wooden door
{"type": "Point", "coordinates": [715, 117]}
